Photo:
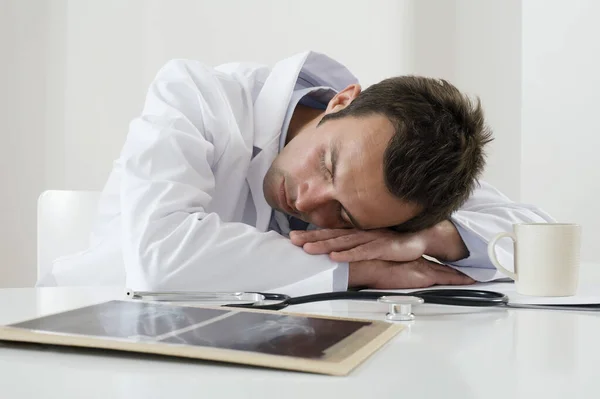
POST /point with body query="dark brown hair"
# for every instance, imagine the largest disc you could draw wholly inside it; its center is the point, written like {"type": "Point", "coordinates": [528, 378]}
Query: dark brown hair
{"type": "Point", "coordinates": [437, 153]}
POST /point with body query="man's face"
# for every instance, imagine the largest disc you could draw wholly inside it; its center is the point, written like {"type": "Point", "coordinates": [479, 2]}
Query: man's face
{"type": "Point", "coordinates": [332, 175]}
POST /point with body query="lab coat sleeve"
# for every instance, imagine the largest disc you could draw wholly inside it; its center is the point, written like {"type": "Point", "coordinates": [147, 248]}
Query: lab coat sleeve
{"type": "Point", "coordinates": [170, 240]}
{"type": "Point", "coordinates": [487, 213]}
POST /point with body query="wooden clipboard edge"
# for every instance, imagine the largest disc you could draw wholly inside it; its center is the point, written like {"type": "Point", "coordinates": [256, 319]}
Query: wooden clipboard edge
{"type": "Point", "coordinates": [377, 334]}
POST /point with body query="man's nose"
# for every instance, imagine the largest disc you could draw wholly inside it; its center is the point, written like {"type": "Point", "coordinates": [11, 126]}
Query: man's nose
{"type": "Point", "coordinates": [311, 196]}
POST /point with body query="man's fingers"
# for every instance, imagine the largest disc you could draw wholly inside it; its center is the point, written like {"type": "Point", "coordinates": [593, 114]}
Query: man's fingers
{"type": "Point", "coordinates": [444, 278]}
{"type": "Point", "coordinates": [382, 249]}
{"type": "Point", "coordinates": [446, 275]}
{"type": "Point", "coordinates": [395, 249]}
{"type": "Point", "coordinates": [299, 237]}
{"type": "Point", "coordinates": [441, 268]}
{"type": "Point", "coordinates": [368, 251]}
{"type": "Point", "coordinates": [419, 274]}
{"type": "Point", "coordinates": [337, 244]}
{"type": "Point", "coordinates": [403, 276]}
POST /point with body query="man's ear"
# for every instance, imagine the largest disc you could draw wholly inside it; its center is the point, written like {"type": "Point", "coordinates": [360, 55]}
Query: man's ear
{"type": "Point", "coordinates": [343, 98]}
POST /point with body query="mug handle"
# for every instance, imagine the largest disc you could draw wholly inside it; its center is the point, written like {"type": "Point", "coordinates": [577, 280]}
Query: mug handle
{"type": "Point", "coordinates": [494, 259]}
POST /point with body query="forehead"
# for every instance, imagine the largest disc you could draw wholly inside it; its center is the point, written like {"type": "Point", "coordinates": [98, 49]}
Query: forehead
{"type": "Point", "coordinates": [358, 152]}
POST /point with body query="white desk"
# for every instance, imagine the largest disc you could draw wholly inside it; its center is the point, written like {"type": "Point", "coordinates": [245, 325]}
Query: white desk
{"type": "Point", "coordinates": [446, 353]}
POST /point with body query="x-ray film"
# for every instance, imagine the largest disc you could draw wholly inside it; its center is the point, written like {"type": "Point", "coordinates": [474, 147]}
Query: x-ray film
{"type": "Point", "coordinates": [319, 344]}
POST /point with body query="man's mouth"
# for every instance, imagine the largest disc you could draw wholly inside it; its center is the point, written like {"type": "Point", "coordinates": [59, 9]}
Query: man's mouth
{"type": "Point", "coordinates": [283, 199]}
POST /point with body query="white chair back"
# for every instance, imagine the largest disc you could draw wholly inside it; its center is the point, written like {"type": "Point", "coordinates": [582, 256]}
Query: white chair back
{"type": "Point", "coordinates": [64, 223]}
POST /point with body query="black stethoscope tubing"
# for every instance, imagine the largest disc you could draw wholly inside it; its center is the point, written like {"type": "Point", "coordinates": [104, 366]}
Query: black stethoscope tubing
{"type": "Point", "coordinates": [453, 297]}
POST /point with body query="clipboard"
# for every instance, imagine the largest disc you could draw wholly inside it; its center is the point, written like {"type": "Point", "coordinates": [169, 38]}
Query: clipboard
{"type": "Point", "coordinates": [279, 340]}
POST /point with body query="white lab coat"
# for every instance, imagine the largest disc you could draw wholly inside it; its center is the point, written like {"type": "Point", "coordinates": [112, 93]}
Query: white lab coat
{"type": "Point", "coordinates": [184, 209]}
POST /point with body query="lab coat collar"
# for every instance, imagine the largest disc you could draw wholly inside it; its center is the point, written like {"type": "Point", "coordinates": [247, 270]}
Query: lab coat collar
{"type": "Point", "coordinates": [270, 107]}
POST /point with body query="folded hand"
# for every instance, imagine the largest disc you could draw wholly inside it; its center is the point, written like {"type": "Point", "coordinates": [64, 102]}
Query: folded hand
{"type": "Point", "coordinates": [350, 245]}
{"type": "Point", "coordinates": [420, 273]}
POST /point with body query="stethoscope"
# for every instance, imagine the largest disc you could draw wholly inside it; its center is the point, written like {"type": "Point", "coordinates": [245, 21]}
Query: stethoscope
{"type": "Point", "coordinates": [400, 303]}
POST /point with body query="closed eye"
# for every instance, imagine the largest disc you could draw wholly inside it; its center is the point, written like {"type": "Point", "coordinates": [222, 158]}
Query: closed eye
{"type": "Point", "coordinates": [323, 165]}
{"type": "Point", "coordinates": [335, 151]}
{"type": "Point", "coordinates": [329, 174]}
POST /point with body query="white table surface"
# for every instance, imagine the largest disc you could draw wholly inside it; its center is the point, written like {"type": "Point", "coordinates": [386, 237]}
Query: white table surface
{"type": "Point", "coordinates": [447, 352]}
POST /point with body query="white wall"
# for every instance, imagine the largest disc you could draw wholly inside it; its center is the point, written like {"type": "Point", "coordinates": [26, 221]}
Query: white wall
{"type": "Point", "coordinates": [115, 47]}
{"type": "Point", "coordinates": [22, 113]}
{"type": "Point", "coordinates": [476, 45]}
{"type": "Point", "coordinates": [376, 39]}
{"type": "Point", "coordinates": [561, 104]}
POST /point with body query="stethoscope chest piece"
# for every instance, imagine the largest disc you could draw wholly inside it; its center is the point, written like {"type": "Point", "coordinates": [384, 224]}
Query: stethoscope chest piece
{"type": "Point", "coordinates": [400, 307]}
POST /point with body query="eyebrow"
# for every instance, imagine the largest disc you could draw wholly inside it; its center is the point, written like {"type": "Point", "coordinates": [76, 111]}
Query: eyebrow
{"type": "Point", "coordinates": [335, 151]}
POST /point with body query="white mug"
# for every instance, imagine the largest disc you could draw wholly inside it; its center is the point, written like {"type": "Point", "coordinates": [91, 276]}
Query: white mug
{"type": "Point", "coordinates": [546, 258]}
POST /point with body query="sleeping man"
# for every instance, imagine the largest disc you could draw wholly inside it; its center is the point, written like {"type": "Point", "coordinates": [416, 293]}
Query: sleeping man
{"type": "Point", "coordinates": [293, 178]}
